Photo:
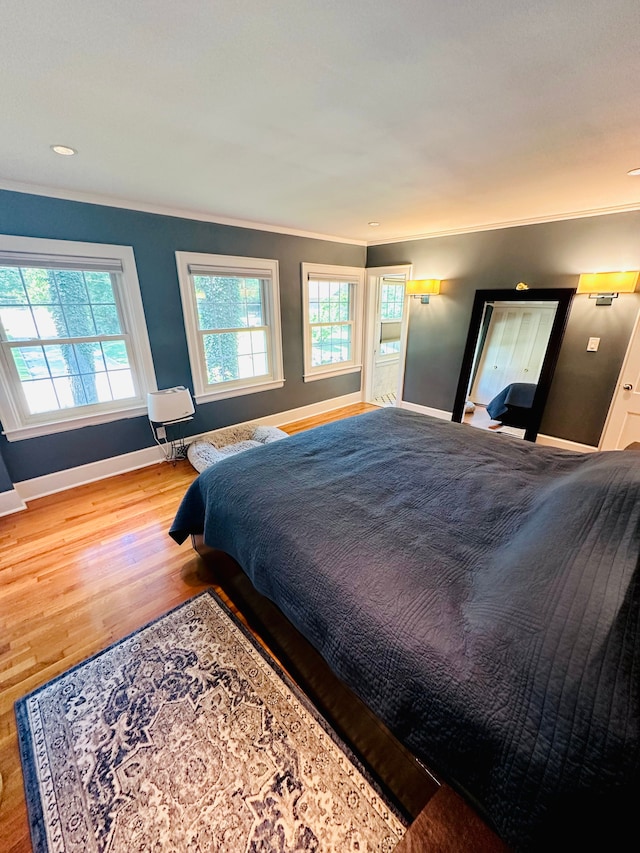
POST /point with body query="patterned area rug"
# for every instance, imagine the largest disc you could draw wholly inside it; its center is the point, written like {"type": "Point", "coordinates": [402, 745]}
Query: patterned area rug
{"type": "Point", "coordinates": [186, 737]}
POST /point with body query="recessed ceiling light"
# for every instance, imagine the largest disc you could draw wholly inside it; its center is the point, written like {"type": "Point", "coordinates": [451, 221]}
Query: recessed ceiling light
{"type": "Point", "coordinates": [373, 224]}
{"type": "Point", "coordinates": [64, 150]}
{"type": "Point", "coordinates": [634, 171]}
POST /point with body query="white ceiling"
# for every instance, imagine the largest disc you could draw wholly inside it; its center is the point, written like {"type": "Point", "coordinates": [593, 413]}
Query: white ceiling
{"type": "Point", "coordinates": [429, 116]}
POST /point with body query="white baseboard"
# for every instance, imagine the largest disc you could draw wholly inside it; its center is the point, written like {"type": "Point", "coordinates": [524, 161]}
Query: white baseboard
{"type": "Point", "coordinates": [565, 444]}
{"type": "Point", "coordinates": [69, 478]}
{"type": "Point", "coordinates": [426, 410]}
{"type": "Point", "coordinates": [11, 502]}
{"type": "Point", "coordinates": [309, 411]}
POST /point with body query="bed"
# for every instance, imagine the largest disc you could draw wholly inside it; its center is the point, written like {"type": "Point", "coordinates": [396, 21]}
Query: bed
{"type": "Point", "coordinates": [477, 592]}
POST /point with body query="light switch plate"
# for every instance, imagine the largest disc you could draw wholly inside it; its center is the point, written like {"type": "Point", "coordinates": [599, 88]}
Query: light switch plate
{"type": "Point", "coordinates": [593, 344]}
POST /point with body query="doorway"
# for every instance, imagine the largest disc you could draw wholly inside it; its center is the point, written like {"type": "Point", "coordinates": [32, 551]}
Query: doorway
{"type": "Point", "coordinates": [386, 337]}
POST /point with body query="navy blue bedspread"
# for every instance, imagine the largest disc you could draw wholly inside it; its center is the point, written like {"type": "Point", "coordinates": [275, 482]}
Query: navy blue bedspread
{"type": "Point", "coordinates": [519, 395]}
{"type": "Point", "coordinates": [479, 592]}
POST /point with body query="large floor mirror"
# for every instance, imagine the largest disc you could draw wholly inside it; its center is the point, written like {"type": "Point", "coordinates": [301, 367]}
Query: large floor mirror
{"type": "Point", "coordinates": [511, 352]}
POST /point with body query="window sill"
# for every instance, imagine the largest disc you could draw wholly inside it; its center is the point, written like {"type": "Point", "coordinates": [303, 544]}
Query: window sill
{"type": "Point", "coordinates": [237, 391]}
{"type": "Point", "coordinates": [49, 428]}
{"type": "Point", "coordinates": [328, 374]}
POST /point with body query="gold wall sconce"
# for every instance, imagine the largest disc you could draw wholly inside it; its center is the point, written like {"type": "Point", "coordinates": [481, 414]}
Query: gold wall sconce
{"type": "Point", "coordinates": [423, 288]}
{"type": "Point", "coordinates": [604, 287]}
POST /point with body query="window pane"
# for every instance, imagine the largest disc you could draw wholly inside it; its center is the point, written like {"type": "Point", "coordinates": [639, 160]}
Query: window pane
{"type": "Point", "coordinates": [41, 396]}
{"type": "Point", "coordinates": [19, 324]}
{"type": "Point", "coordinates": [235, 355]}
{"type": "Point", "coordinates": [70, 391]}
{"type": "Point", "coordinates": [228, 303]}
{"type": "Point", "coordinates": [115, 355]}
{"type": "Point", "coordinates": [106, 319]}
{"type": "Point", "coordinates": [100, 288]}
{"type": "Point", "coordinates": [41, 286]}
{"type": "Point", "coordinates": [392, 301]}
{"type": "Point", "coordinates": [329, 301]}
{"type": "Point", "coordinates": [11, 287]}
{"type": "Point", "coordinates": [71, 286]}
{"type": "Point", "coordinates": [330, 344]}
{"type": "Point", "coordinates": [30, 362]}
{"type": "Point", "coordinates": [89, 357]}
{"type": "Point", "coordinates": [80, 323]}
{"type": "Point", "coordinates": [121, 382]}
{"type": "Point", "coordinates": [62, 360]}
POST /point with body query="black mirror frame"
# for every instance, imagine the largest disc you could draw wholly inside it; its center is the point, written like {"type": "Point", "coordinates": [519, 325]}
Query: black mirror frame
{"type": "Point", "coordinates": [564, 297]}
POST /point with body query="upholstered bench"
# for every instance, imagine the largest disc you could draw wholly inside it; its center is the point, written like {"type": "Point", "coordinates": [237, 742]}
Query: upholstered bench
{"type": "Point", "coordinates": [220, 443]}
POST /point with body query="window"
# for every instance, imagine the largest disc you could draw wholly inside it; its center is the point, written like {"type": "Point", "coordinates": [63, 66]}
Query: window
{"type": "Point", "coordinates": [332, 306]}
{"type": "Point", "coordinates": [232, 318]}
{"type": "Point", "coordinates": [73, 343]}
{"type": "Point", "coordinates": [391, 307]}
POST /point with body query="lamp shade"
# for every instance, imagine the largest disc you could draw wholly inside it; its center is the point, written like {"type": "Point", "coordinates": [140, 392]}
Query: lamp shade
{"type": "Point", "coordinates": [608, 282]}
{"type": "Point", "coordinates": [422, 286]}
{"type": "Point", "coordinates": [170, 405]}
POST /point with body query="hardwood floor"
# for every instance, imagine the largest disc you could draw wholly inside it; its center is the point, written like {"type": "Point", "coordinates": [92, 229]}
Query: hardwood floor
{"type": "Point", "coordinates": [84, 568]}
{"type": "Point", "coordinates": [79, 570]}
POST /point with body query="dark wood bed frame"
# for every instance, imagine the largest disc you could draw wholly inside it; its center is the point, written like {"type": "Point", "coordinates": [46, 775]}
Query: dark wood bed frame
{"type": "Point", "coordinates": [441, 819]}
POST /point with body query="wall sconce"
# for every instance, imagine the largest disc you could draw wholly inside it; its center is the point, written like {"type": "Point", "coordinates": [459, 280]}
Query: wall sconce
{"type": "Point", "coordinates": [423, 287]}
{"type": "Point", "coordinates": [605, 286]}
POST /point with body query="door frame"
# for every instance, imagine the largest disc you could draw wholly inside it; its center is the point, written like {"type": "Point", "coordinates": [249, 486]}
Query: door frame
{"type": "Point", "coordinates": [371, 311]}
{"type": "Point", "coordinates": [607, 438]}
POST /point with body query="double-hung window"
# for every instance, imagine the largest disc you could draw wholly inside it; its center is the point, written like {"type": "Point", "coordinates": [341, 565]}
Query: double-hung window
{"type": "Point", "coordinates": [332, 313]}
{"type": "Point", "coordinates": [73, 343]}
{"type": "Point", "coordinates": [232, 318]}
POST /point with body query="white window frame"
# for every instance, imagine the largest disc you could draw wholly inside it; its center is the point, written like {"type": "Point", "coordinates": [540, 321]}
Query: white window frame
{"type": "Point", "coordinates": [17, 422]}
{"type": "Point", "coordinates": [355, 276]}
{"type": "Point", "coordinates": [232, 265]}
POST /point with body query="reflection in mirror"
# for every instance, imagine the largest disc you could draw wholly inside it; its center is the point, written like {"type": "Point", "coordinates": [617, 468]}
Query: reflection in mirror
{"type": "Point", "coordinates": [507, 363]}
{"type": "Point", "coordinates": [510, 355]}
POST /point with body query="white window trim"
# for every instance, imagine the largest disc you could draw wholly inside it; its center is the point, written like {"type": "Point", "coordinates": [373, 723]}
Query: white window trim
{"type": "Point", "coordinates": [15, 425]}
{"type": "Point", "coordinates": [204, 392]}
{"type": "Point", "coordinates": [357, 276]}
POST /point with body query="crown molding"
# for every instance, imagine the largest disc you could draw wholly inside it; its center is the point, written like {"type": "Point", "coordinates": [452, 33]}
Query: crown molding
{"type": "Point", "coordinates": [162, 210]}
{"type": "Point", "coordinates": [108, 201]}
{"type": "Point", "coordinates": [516, 223]}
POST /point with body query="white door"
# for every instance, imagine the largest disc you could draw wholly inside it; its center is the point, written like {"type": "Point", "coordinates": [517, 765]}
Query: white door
{"type": "Point", "coordinates": [386, 334]}
{"type": "Point", "coordinates": [622, 426]}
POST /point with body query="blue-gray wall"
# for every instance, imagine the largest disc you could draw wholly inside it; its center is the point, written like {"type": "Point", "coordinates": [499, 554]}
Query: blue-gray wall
{"type": "Point", "coordinates": [155, 239]}
{"type": "Point", "coordinates": [546, 255]}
